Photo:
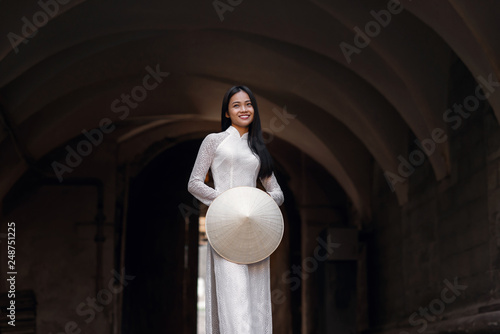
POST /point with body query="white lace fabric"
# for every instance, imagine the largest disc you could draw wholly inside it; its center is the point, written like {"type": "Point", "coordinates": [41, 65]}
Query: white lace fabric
{"type": "Point", "coordinates": [238, 298]}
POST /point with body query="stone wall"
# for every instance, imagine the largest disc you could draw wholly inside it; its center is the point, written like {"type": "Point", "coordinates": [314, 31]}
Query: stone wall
{"type": "Point", "coordinates": [446, 235]}
{"type": "Point", "coordinates": [56, 249]}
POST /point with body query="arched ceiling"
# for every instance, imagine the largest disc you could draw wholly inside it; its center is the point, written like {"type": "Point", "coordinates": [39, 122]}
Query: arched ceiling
{"type": "Point", "coordinates": [346, 114]}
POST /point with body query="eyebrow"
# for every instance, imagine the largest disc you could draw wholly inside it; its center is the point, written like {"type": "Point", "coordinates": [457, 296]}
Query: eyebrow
{"type": "Point", "coordinates": [239, 101]}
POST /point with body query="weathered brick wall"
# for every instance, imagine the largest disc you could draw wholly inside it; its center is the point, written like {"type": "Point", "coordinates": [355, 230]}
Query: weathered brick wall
{"type": "Point", "coordinates": [445, 235]}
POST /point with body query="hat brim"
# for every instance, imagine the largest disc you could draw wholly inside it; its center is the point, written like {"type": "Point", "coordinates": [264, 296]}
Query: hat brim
{"type": "Point", "coordinates": [244, 225]}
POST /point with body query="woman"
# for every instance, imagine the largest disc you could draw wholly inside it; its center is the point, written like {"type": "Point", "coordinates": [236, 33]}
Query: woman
{"type": "Point", "coordinates": [238, 298]}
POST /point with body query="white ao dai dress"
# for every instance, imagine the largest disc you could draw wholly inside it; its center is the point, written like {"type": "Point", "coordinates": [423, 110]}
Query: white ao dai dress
{"type": "Point", "coordinates": [238, 297]}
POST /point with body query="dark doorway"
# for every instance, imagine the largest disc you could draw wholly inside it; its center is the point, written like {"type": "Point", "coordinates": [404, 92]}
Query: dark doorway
{"type": "Point", "coordinates": [162, 247]}
{"type": "Point", "coordinates": [338, 284]}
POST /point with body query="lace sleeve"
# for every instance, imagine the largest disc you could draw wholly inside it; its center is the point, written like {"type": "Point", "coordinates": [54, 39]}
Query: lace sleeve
{"type": "Point", "coordinates": [196, 184]}
{"type": "Point", "coordinates": [273, 188]}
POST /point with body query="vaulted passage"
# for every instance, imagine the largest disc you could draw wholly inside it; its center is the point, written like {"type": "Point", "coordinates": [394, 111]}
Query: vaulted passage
{"type": "Point", "coordinates": [382, 118]}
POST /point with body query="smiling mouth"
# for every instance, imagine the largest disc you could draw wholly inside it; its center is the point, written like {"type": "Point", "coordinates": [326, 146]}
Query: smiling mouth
{"type": "Point", "coordinates": [244, 116]}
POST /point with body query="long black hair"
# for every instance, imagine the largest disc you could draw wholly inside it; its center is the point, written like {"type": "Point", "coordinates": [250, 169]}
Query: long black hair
{"type": "Point", "coordinates": [255, 139]}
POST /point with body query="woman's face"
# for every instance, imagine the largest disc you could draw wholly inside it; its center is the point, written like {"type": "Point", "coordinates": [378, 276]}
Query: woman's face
{"type": "Point", "coordinates": [240, 111]}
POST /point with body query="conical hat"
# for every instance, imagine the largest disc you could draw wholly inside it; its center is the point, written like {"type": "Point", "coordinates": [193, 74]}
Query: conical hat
{"type": "Point", "coordinates": [244, 225]}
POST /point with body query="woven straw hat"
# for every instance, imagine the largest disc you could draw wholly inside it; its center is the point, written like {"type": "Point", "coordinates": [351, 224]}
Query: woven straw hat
{"type": "Point", "coordinates": [244, 225]}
